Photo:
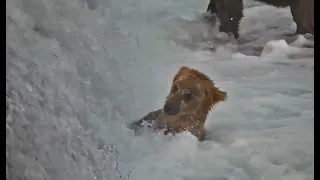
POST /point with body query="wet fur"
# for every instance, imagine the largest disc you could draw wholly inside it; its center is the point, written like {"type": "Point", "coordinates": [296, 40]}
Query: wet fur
{"type": "Point", "coordinates": [192, 96]}
{"type": "Point", "coordinates": [230, 13]}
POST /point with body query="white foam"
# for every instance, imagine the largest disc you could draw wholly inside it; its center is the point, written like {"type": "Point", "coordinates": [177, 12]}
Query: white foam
{"type": "Point", "coordinates": [93, 71]}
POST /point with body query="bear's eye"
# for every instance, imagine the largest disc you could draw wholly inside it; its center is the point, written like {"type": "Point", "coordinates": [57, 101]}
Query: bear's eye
{"type": "Point", "coordinates": [174, 89]}
{"type": "Point", "coordinates": [188, 96]}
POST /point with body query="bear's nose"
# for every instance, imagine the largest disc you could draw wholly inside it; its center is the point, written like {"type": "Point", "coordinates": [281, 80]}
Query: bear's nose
{"type": "Point", "coordinates": [170, 109]}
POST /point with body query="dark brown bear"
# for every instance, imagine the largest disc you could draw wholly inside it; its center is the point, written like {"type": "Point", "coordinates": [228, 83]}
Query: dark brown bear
{"type": "Point", "coordinates": [230, 13]}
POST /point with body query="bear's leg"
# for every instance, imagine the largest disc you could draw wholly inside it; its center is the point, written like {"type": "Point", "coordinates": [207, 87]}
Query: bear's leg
{"type": "Point", "coordinates": [303, 15]}
{"type": "Point", "coordinates": [229, 13]}
{"type": "Point", "coordinates": [212, 7]}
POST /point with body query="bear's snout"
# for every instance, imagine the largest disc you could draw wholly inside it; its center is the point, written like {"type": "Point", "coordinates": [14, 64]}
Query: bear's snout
{"type": "Point", "coordinates": [171, 109]}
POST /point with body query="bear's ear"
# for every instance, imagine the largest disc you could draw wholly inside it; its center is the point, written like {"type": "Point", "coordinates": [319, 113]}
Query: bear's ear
{"type": "Point", "coordinates": [183, 70]}
{"type": "Point", "coordinates": [216, 95]}
{"type": "Point", "coordinates": [220, 95]}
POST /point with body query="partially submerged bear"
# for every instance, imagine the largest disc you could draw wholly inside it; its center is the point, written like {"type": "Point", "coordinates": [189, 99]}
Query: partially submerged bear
{"type": "Point", "coordinates": [186, 108]}
{"type": "Point", "coordinates": [230, 13]}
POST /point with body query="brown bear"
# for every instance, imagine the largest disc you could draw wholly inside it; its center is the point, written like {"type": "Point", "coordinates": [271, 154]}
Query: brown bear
{"type": "Point", "coordinates": [230, 13]}
{"type": "Point", "coordinates": [191, 98]}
